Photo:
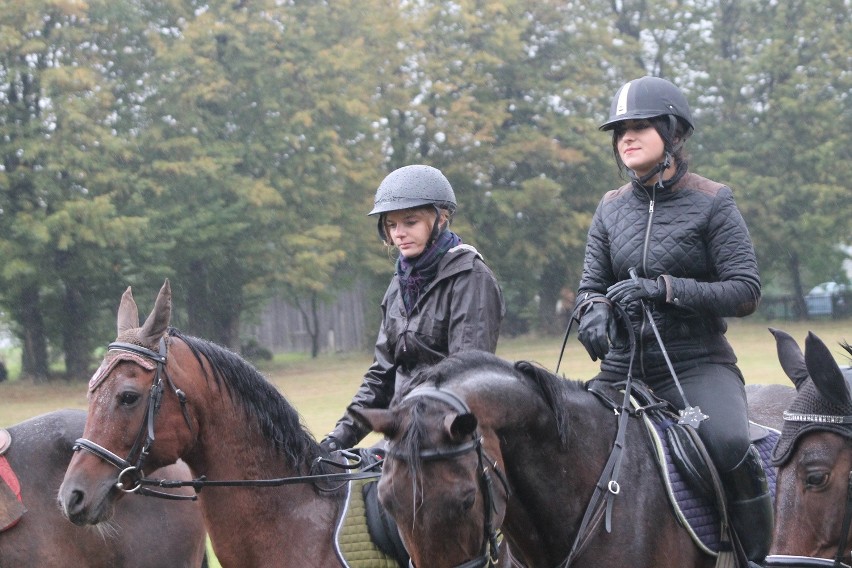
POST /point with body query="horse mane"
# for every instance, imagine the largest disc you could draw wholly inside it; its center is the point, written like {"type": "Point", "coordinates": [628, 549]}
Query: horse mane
{"type": "Point", "coordinates": [552, 388]}
{"type": "Point", "coordinates": [278, 419]}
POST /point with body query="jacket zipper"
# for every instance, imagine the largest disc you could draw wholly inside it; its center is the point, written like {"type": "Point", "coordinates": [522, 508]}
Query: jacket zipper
{"type": "Point", "coordinates": [645, 247]}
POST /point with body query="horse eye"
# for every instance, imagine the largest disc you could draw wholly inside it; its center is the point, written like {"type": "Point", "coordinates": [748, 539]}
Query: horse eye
{"type": "Point", "coordinates": [468, 501]}
{"type": "Point", "coordinates": [128, 398]}
{"type": "Point", "coordinates": [816, 479]}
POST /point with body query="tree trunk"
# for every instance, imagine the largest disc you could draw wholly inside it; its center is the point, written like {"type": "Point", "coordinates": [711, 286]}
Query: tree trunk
{"type": "Point", "coordinates": [76, 341]}
{"type": "Point", "coordinates": [550, 285]}
{"type": "Point", "coordinates": [34, 362]}
{"type": "Point", "coordinates": [800, 308]}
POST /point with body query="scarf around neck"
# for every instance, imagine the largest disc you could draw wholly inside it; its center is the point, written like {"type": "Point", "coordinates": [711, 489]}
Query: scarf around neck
{"type": "Point", "coordinates": [417, 273]}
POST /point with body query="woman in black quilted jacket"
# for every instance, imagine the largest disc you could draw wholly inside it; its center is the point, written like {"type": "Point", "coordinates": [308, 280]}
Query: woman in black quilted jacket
{"type": "Point", "coordinates": [672, 246]}
{"type": "Point", "coordinates": [442, 298]}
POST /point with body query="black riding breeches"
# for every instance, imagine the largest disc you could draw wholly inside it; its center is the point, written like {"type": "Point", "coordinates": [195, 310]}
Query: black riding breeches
{"type": "Point", "coordinates": [718, 390]}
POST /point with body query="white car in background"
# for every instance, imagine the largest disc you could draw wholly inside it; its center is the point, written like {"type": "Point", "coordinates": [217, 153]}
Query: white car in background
{"type": "Point", "coordinates": [822, 298]}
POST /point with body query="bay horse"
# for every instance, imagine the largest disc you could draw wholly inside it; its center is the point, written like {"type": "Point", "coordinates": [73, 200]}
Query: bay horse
{"type": "Point", "coordinates": [142, 532]}
{"type": "Point", "coordinates": [483, 443]}
{"type": "Point", "coordinates": [160, 395]}
{"type": "Point", "coordinates": [813, 504]}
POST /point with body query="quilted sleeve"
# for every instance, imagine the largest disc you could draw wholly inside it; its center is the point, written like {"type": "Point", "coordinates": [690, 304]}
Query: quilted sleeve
{"type": "Point", "coordinates": [734, 289]}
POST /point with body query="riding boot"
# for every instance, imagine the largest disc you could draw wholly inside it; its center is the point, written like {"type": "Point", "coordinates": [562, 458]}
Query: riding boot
{"type": "Point", "coordinates": [750, 505]}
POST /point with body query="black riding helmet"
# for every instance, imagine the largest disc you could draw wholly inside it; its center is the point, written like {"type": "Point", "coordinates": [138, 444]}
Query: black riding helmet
{"type": "Point", "coordinates": [648, 97]}
{"type": "Point", "coordinates": [413, 186]}
{"type": "Point", "coordinates": [660, 102]}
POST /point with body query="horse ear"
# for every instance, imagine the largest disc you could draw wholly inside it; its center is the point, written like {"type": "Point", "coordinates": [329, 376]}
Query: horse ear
{"type": "Point", "coordinates": [825, 372]}
{"type": "Point", "coordinates": [791, 358]}
{"type": "Point", "coordinates": [460, 426]}
{"type": "Point", "coordinates": [128, 313]}
{"type": "Point", "coordinates": [158, 320]}
{"type": "Point", "coordinates": [378, 419]}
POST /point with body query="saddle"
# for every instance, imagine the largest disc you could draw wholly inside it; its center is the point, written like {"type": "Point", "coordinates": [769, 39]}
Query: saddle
{"type": "Point", "coordinates": [366, 536]}
{"type": "Point", "coordinates": [11, 505]}
{"type": "Point", "coordinates": [690, 478]}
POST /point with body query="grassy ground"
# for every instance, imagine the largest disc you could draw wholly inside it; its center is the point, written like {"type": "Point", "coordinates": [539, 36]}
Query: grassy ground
{"type": "Point", "coordinates": [321, 388]}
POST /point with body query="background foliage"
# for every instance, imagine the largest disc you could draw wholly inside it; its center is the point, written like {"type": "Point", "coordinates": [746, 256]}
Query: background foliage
{"type": "Point", "coordinates": [235, 146]}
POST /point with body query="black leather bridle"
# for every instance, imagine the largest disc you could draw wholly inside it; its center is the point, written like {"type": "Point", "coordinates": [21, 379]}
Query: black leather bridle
{"type": "Point", "coordinates": [489, 552]}
{"type": "Point", "coordinates": [788, 561]}
{"type": "Point", "coordinates": [130, 477]}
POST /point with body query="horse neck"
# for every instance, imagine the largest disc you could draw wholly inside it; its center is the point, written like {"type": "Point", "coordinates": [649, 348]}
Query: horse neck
{"type": "Point", "coordinates": [549, 476]}
{"type": "Point", "coordinates": [255, 526]}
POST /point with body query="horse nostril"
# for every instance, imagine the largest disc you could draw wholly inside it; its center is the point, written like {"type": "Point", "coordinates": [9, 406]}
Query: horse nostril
{"type": "Point", "coordinates": [74, 503]}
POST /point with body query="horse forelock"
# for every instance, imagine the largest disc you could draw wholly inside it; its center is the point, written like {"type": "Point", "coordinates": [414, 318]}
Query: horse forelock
{"type": "Point", "coordinates": [260, 400]}
{"type": "Point", "coordinates": [414, 436]}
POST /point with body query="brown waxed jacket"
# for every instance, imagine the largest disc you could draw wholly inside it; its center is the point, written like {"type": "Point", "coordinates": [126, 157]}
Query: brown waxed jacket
{"type": "Point", "coordinates": [460, 310]}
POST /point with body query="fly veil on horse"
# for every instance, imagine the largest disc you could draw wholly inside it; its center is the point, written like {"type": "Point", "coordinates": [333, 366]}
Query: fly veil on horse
{"type": "Point", "coordinates": [33, 457]}
{"type": "Point", "coordinates": [264, 485]}
{"type": "Point", "coordinates": [813, 504]}
{"type": "Point", "coordinates": [480, 429]}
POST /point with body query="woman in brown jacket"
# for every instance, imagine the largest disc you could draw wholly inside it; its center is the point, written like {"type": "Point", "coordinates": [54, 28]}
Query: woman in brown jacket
{"type": "Point", "coordinates": [442, 298]}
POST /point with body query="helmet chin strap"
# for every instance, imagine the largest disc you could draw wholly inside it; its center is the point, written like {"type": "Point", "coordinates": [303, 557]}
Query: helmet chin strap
{"type": "Point", "coordinates": [657, 170]}
{"type": "Point", "coordinates": [667, 157]}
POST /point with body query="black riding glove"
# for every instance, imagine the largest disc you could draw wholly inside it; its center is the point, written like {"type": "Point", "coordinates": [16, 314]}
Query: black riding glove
{"type": "Point", "coordinates": [596, 327]}
{"type": "Point", "coordinates": [331, 444]}
{"type": "Point", "coordinates": [629, 291]}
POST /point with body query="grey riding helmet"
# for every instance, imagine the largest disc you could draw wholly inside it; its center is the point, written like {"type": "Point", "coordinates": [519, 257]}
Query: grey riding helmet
{"type": "Point", "coordinates": [648, 97]}
{"type": "Point", "coordinates": [412, 186]}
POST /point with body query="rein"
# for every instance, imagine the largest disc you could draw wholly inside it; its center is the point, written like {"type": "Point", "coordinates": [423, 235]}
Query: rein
{"type": "Point", "coordinates": [131, 479]}
{"type": "Point", "coordinates": [607, 487]}
{"type": "Point", "coordinates": [489, 552]}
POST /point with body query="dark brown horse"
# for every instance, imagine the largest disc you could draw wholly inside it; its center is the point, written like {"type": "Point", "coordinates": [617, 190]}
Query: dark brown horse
{"type": "Point", "coordinates": [813, 504]}
{"type": "Point", "coordinates": [482, 429]}
{"type": "Point", "coordinates": [483, 440]}
{"type": "Point", "coordinates": [161, 395]}
{"type": "Point", "coordinates": [143, 532]}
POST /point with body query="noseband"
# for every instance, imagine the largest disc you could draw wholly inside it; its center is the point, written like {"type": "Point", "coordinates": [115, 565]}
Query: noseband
{"type": "Point", "coordinates": [130, 477]}
{"type": "Point", "coordinates": [489, 552]}
{"type": "Point", "coordinates": [783, 560]}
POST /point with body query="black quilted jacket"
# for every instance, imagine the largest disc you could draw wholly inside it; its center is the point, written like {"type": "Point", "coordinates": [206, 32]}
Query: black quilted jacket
{"type": "Point", "coordinates": [691, 234]}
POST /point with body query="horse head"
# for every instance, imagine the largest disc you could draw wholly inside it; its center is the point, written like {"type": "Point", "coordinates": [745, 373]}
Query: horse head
{"type": "Point", "coordinates": [127, 411]}
{"type": "Point", "coordinates": [814, 458]}
{"type": "Point", "coordinates": [442, 480]}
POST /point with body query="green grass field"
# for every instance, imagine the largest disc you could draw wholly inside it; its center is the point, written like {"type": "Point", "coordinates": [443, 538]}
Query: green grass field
{"type": "Point", "coordinates": [321, 388]}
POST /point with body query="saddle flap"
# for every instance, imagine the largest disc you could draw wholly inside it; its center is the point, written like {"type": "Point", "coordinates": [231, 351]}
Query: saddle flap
{"type": "Point", "coordinates": [11, 509]}
{"type": "Point", "coordinates": [690, 460]}
{"type": "Point", "coordinates": [5, 441]}
{"type": "Point", "coordinates": [381, 526]}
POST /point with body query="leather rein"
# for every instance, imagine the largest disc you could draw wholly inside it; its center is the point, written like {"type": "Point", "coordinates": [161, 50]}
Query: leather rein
{"type": "Point", "coordinates": [131, 478]}
{"type": "Point", "coordinates": [489, 552]}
